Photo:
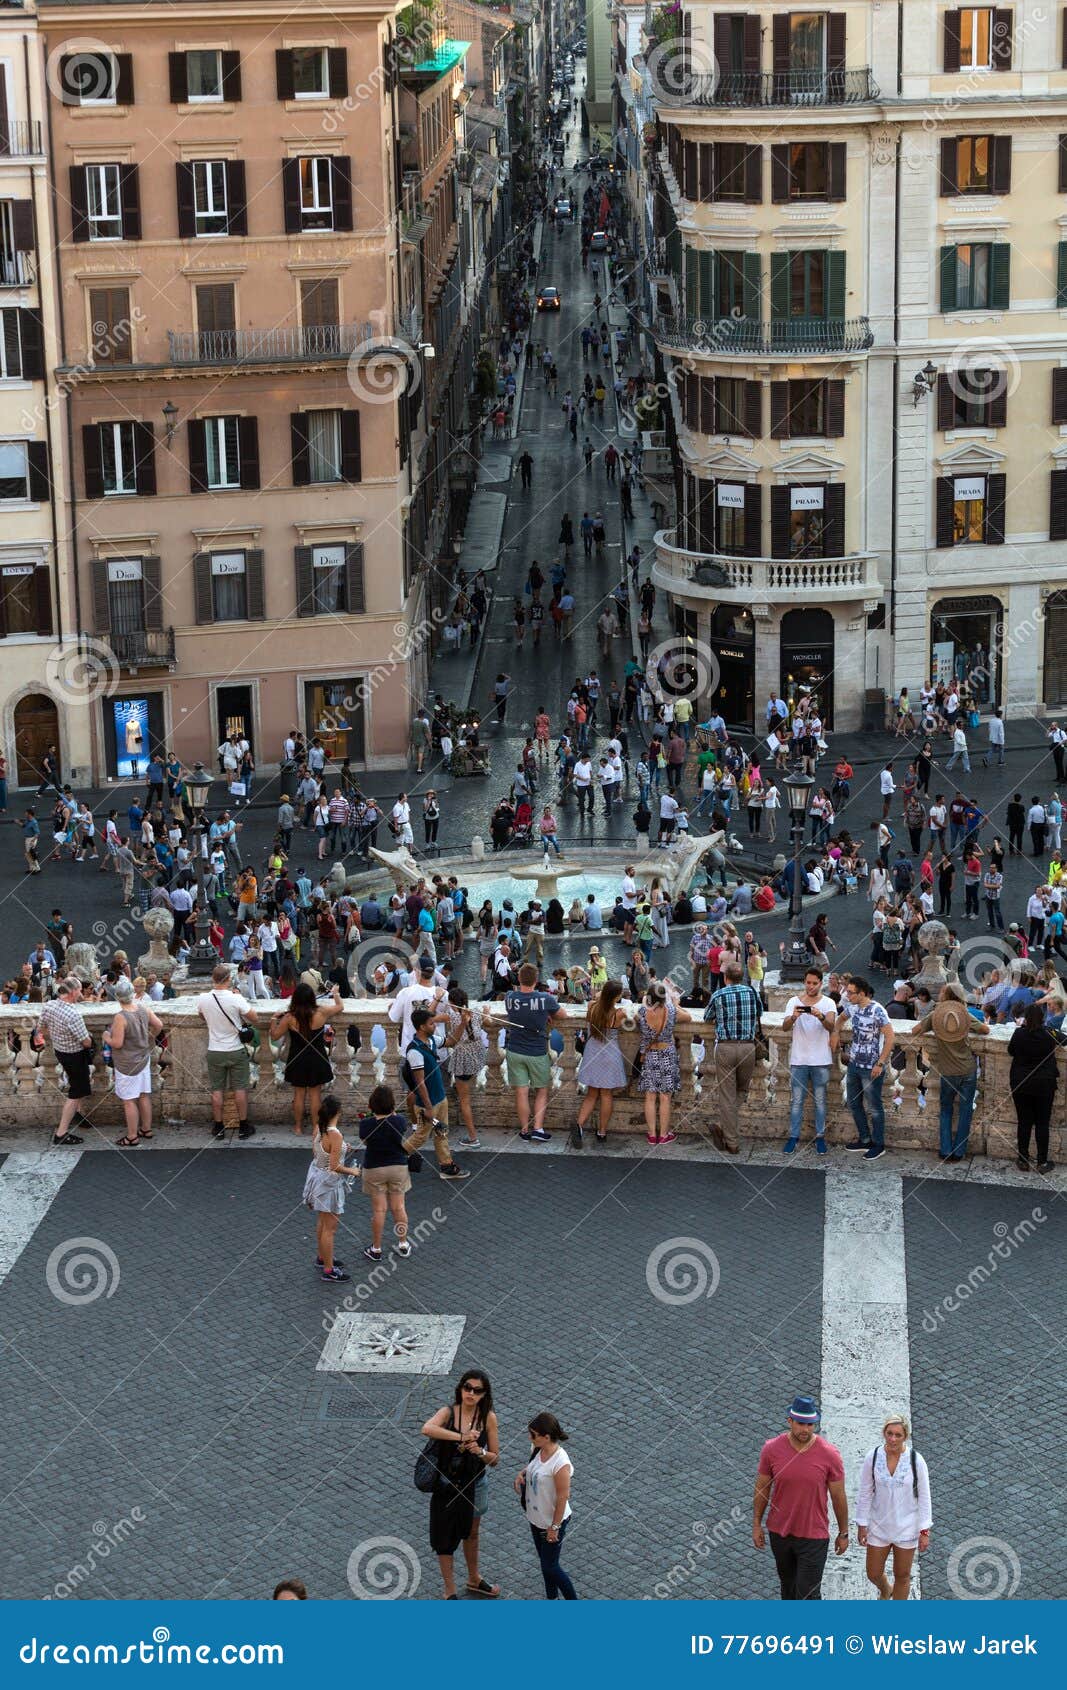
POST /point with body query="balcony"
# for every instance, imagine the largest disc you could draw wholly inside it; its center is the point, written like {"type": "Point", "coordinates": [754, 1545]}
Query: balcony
{"type": "Point", "coordinates": [292, 345]}
{"type": "Point", "coordinates": [19, 139]}
{"type": "Point", "coordinates": [17, 269]}
{"type": "Point", "coordinates": [764, 580]}
{"type": "Point", "coordinates": [798, 88]}
{"type": "Point", "coordinates": [745, 337]}
{"type": "Point", "coordinates": [148, 648]}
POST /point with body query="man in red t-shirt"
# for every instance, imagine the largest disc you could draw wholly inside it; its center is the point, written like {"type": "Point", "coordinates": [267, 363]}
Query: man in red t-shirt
{"type": "Point", "coordinates": [796, 1473]}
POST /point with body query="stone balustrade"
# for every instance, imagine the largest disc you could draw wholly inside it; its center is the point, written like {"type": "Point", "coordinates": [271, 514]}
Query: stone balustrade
{"type": "Point", "coordinates": [31, 1082]}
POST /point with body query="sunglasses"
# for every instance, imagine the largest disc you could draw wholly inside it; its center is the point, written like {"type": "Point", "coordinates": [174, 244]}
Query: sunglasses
{"type": "Point", "coordinates": [475, 1390]}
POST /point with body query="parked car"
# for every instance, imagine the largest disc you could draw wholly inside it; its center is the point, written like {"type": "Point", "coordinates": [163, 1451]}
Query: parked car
{"type": "Point", "coordinates": [548, 299]}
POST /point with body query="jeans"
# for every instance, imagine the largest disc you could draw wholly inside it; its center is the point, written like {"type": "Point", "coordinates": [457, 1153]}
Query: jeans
{"type": "Point", "coordinates": [863, 1093]}
{"type": "Point", "coordinates": [954, 759]}
{"type": "Point", "coordinates": [994, 915]}
{"type": "Point", "coordinates": [550, 839]}
{"type": "Point", "coordinates": [557, 1582]}
{"type": "Point", "coordinates": [800, 1078]}
{"type": "Point", "coordinates": [956, 833]}
{"type": "Point", "coordinates": [970, 899]}
{"type": "Point", "coordinates": [953, 1086]}
{"type": "Point", "coordinates": [800, 1562]}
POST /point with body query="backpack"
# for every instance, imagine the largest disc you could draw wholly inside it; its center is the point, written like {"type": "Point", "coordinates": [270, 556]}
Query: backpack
{"type": "Point", "coordinates": [914, 1474]}
{"type": "Point", "coordinates": [892, 936]}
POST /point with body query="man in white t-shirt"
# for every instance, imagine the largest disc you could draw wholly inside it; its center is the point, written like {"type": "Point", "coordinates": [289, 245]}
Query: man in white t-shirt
{"type": "Point", "coordinates": [225, 1012]}
{"type": "Point", "coordinates": [810, 1017]}
{"type": "Point", "coordinates": [668, 812]}
{"type": "Point", "coordinates": [583, 783]}
{"type": "Point", "coordinates": [421, 993]}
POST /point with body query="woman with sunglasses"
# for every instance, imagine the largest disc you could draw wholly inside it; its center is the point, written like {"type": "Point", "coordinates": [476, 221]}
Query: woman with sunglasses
{"type": "Point", "coordinates": [544, 1485]}
{"type": "Point", "coordinates": [893, 1513]}
{"type": "Point", "coordinates": [470, 1445]}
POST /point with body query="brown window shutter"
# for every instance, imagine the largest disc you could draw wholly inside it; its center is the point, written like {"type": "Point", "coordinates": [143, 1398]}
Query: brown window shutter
{"type": "Point", "coordinates": [248, 448]}
{"type": "Point", "coordinates": [754, 175]}
{"type": "Point", "coordinates": [691, 398]}
{"type": "Point", "coordinates": [834, 521]}
{"type": "Point", "coordinates": [351, 456]}
{"type": "Point", "coordinates": [835, 410]}
{"type": "Point", "coordinates": [186, 205]}
{"type": "Point", "coordinates": [231, 76]}
{"type": "Point", "coordinates": [203, 597]}
{"type": "Point", "coordinates": [1001, 171]}
{"type": "Point", "coordinates": [995, 492]}
{"type": "Point", "coordinates": [709, 421]}
{"type": "Point", "coordinates": [341, 178]}
{"type": "Point", "coordinates": [22, 225]}
{"type": "Point", "coordinates": [109, 314]}
{"type": "Point", "coordinates": [952, 51]}
{"type": "Point", "coordinates": [31, 334]}
{"type": "Point", "coordinates": [946, 403]}
{"type": "Point", "coordinates": [338, 59]}
{"type": "Point", "coordinates": [124, 79]}
{"type": "Point", "coordinates": [42, 581]}
{"type": "Point", "coordinates": [356, 602]}
{"type": "Point", "coordinates": [754, 409]}
{"type": "Point", "coordinates": [299, 438]}
{"type": "Point", "coordinates": [283, 71]}
{"type": "Point", "coordinates": [753, 519]}
{"type": "Point", "coordinates": [305, 595]}
{"type": "Point", "coordinates": [779, 410]}
{"type": "Point", "coordinates": [837, 153]}
{"type": "Point", "coordinates": [835, 41]}
{"type": "Point", "coordinates": [1057, 516]}
{"type": "Point", "coordinates": [12, 340]}
{"type": "Point", "coordinates": [780, 41]}
{"type": "Point", "coordinates": [79, 204]}
{"type": "Point", "coordinates": [706, 172]}
{"type": "Point", "coordinates": [1002, 42]}
{"type": "Point", "coordinates": [720, 39]}
{"type": "Point", "coordinates": [101, 598]}
{"type": "Point", "coordinates": [255, 601]}
{"type": "Point", "coordinates": [178, 73]}
{"type": "Point", "coordinates": [752, 43]}
{"type": "Point", "coordinates": [779, 518]}
{"type": "Point", "coordinates": [152, 582]}
{"type": "Point", "coordinates": [291, 195]}
{"type": "Point", "coordinates": [1059, 395]}
{"type": "Point", "coordinates": [949, 150]}
{"type": "Point", "coordinates": [997, 404]}
{"type": "Point", "coordinates": [780, 174]}
{"type": "Point", "coordinates": [144, 447]}
{"type": "Point", "coordinates": [236, 198]}
{"type": "Point", "coordinates": [1062, 182]}
{"type": "Point", "coordinates": [944, 536]}
{"type": "Point", "coordinates": [91, 461]}
{"type": "Point", "coordinates": [130, 201]}
{"type": "Point", "coordinates": [197, 431]}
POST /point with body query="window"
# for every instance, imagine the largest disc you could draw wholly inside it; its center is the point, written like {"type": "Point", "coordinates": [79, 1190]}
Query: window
{"type": "Point", "coordinates": [320, 313]}
{"type": "Point", "coordinates": [125, 596]}
{"type": "Point", "coordinates": [203, 71]}
{"type": "Point", "coordinates": [808, 170]}
{"type": "Point", "coordinates": [216, 319]}
{"type": "Point", "coordinates": [730, 403]}
{"type": "Point", "coordinates": [806, 522]}
{"type": "Point", "coordinates": [732, 529]}
{"type": "Point", "coordinates": [329, 596]}
{"type": "Point", "coordinates": [976, 38]}
{"type": "Point", "coordinates": [222, 452]}
{"type": "Point", "coordinates": [731, 170]}
{"type": "Point", "coordinates": [972, 398]}
{"type": "Point", "coordinates": [117, 460]}
{"type": "Point", "coordinates": [970, 510]}
{"type": "Point", "coordinates": [316, 193]}
{"type": "Point", "coordinates": [968, 518]}
{"type": "Point", "coordinates": [229, 586]}
{"type": "Point", "coordinates": [89, 79]}
{"type": "Point", "coordinates": [10, 346]}
{"type": "Point", "coordinates": [109, 325]}
{"type": "Point", "coordinates": [973, 264]}
{"type": "Point", "coordinates": [807, 41]}
{"type": "Point", "coordinates": [973, 159]}
{"type": "Point", "coordinates": [807, 284]}
{"type": "Point", "coordinates": [209, 196]}
{"type": "Point", "coordinates": [324, 445]}
{"type": "Point", "coordinates": [104, 196]}
{"type": "Point", "coordinates": [19, 605]}
{"type": "Point", "coordinates": [807, 407]}
{"type": "Point", "coordinates": [731, 290]}
{"type": "Point", "coordinates": [13, 470]}
{"type": "Point", "coordinates": [311, 73]}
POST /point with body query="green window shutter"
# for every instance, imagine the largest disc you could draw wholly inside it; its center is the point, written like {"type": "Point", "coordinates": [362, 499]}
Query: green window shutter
{"type": "Point", "coordinates": [835, 285]}
{"type": "Point", "coordinates": [692, 282]}
{"type": "Point", "coordinates": [1061, 273]}
{"type": "Point", "coordinates": [779, 286]}
{"type": "Point", "coordinates": [707, 283]}
{"type": "Point", "coordinates": [751, 285]}
{"type": "Point", "coordinates": [1000, 277]}
{"type": "Point", "coordinates": [948, 278]}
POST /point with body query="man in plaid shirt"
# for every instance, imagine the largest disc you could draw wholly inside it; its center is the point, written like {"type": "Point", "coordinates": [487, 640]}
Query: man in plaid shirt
{"type": "Point", "coordinates": [62, 1020]}
{"type": "Point", "coordinates": [735, 1009]}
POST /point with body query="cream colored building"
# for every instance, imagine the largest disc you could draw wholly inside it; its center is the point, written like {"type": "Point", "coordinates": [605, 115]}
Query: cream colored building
{"type": "Point", "coordinates": [43, 691]}
{"type": "Point", "coordinates": [826, 221]}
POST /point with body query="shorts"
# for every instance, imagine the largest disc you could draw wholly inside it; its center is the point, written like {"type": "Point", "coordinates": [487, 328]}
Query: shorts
{"type": "Point", "coordinates": [129, 1087]}
{"type": "Point", "coordinates": [393, 1178]}
{"type": "Point", "coordinates": [227, 1070]}
{"type": "Point", "coordinates": [535, 1071]}
{"type": "Point", "coordinates": [78, 1067]}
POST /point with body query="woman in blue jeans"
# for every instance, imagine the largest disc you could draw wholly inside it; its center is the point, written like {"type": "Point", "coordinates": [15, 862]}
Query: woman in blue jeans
{"type": "Point", "coordinates": [545, 1487]}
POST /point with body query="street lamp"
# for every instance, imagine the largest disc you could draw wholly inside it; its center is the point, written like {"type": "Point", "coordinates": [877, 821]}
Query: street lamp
{"type": "Point", "coordinates": [797, 957]}
{"type": "Point", "coordinates": [202, 956]}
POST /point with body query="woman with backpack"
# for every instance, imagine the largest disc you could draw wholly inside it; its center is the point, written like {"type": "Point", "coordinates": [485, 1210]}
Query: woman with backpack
{"type": "Point", "coordinates": [893, 1509]}
{"type": "Point", "coordinates": [893, 937]}
{"type": "Point", "coordinates": [468, 1444]}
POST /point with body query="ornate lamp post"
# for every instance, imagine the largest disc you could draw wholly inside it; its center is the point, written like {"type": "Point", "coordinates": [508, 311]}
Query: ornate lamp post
{"type": "Point", "coordinates": [202, 956]}
{"type": "Point", "coordinates": [797, 958]}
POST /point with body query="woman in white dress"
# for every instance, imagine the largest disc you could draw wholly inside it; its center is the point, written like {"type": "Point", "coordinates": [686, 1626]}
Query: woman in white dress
{"type": "Point", "coordinates": [893, 1509]}
{"type": "Point", "coordinates": [328, 1179]}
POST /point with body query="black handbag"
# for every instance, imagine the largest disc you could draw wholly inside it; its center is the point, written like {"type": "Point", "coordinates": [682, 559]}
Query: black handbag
{"type": "Point", "coordinates": [428, 1463]}
{"type": "Point", "coordinates": [245, 1033]}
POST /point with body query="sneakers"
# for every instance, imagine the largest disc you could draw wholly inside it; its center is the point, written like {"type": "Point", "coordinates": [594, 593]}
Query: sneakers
{"type": "Point", "coordinates": [1045, 1167]}
{"type": "Point", "coordinates": [335, 1275]}
{"type": "Point", "coordinates": [67, 1138]}
{"type": "Point", "coordinates": [472, 1144]}
{"type": "Point", "coordinates": [402, 1248]}
{"type": "Point", "coordinates": [873, 1152]}
{"type": "Point", "coordinates": [372, 1254]}
{"type": "Point", "coordinates": [218, 1130]}
{"type": "Point", "coordinates": [246, 1131]}
{"type": "Point", "coordinates": [789, 1146]}
{"type": "Point", "coordinates": [859, 1144]}
{"type": "Point", "coordinates": [820, 1145]}
{"type": "Point", "coordinates": [537, 1136]}
{"type": "Point", "coordinates": [452, 1171]}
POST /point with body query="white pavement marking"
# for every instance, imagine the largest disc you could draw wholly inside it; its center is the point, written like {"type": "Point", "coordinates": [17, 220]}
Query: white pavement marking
{"type": "Point", "coordinates": [30, 1182]}
{"type": "Point", "coordinates": [866, 1362]}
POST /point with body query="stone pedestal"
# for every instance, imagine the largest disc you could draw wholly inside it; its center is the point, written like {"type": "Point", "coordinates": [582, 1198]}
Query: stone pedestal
{"type": "Point", "coordinates": [157, 960]}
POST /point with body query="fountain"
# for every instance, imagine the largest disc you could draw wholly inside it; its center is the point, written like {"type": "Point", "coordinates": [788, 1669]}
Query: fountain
{"type": "Point", "coordinates": [401, 865]}
{"type": "Point", "coordinates": [677, 864]}
{"type": "Point", "coordinates": [548, 876]}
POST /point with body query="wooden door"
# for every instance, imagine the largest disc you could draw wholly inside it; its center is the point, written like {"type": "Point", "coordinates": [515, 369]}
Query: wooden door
{"type": "Point", "coordinates": [36, 728]}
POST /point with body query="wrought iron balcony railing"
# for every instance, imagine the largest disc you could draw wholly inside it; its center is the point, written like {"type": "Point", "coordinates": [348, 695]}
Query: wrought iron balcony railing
{"type": "Point", "coordinates": [148, 648]}
{"type": "Point", "coordinates": [747, 337]}
{"type": "Point", "coordinates": [770, 88]}
{"type": "Point", "coordinates": [267, 346]}
{"type": "Point", "coordinates": [17, 269]}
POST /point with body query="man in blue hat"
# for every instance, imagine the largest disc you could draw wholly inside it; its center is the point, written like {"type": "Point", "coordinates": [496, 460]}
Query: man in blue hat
{"type": "Point", "coordinates": [797, 1470]}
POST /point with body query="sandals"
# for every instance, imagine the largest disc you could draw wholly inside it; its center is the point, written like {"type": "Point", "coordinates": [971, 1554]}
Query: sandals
{"type": "Point", "coordinates": [145, 1132]}
{"type": "Point", "coordinates": [484, 1588]}
{"type": "Point", "coordinates": [127, 1143]}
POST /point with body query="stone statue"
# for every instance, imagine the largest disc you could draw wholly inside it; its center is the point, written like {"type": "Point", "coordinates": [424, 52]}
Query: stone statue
{"type": "Point", "coordinates": [83, 961]}
{"type": "Point", "coordinates": [337, 879]}
{"type": "Point", "coordinates": [401, 865]}
{"type": "Point", "coordinates": [478, 848]}
{"type": "Point", "coordinates": [159, 925]}
{"type": "Point", "coordinates": [934, 943]}
{"type": "Point", "coordinates": [677, 865]}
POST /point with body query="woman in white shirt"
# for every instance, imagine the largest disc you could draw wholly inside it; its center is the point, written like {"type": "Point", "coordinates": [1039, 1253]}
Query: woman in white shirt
{"type": "Point", "coordinates": [893, 1509]}
{"type": "Point", "coordinates": [544, 1485]}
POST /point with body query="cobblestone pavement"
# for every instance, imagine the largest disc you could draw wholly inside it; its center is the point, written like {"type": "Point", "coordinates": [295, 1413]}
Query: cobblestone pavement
{"type": "Point", "coordinates": [177, 1414]}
